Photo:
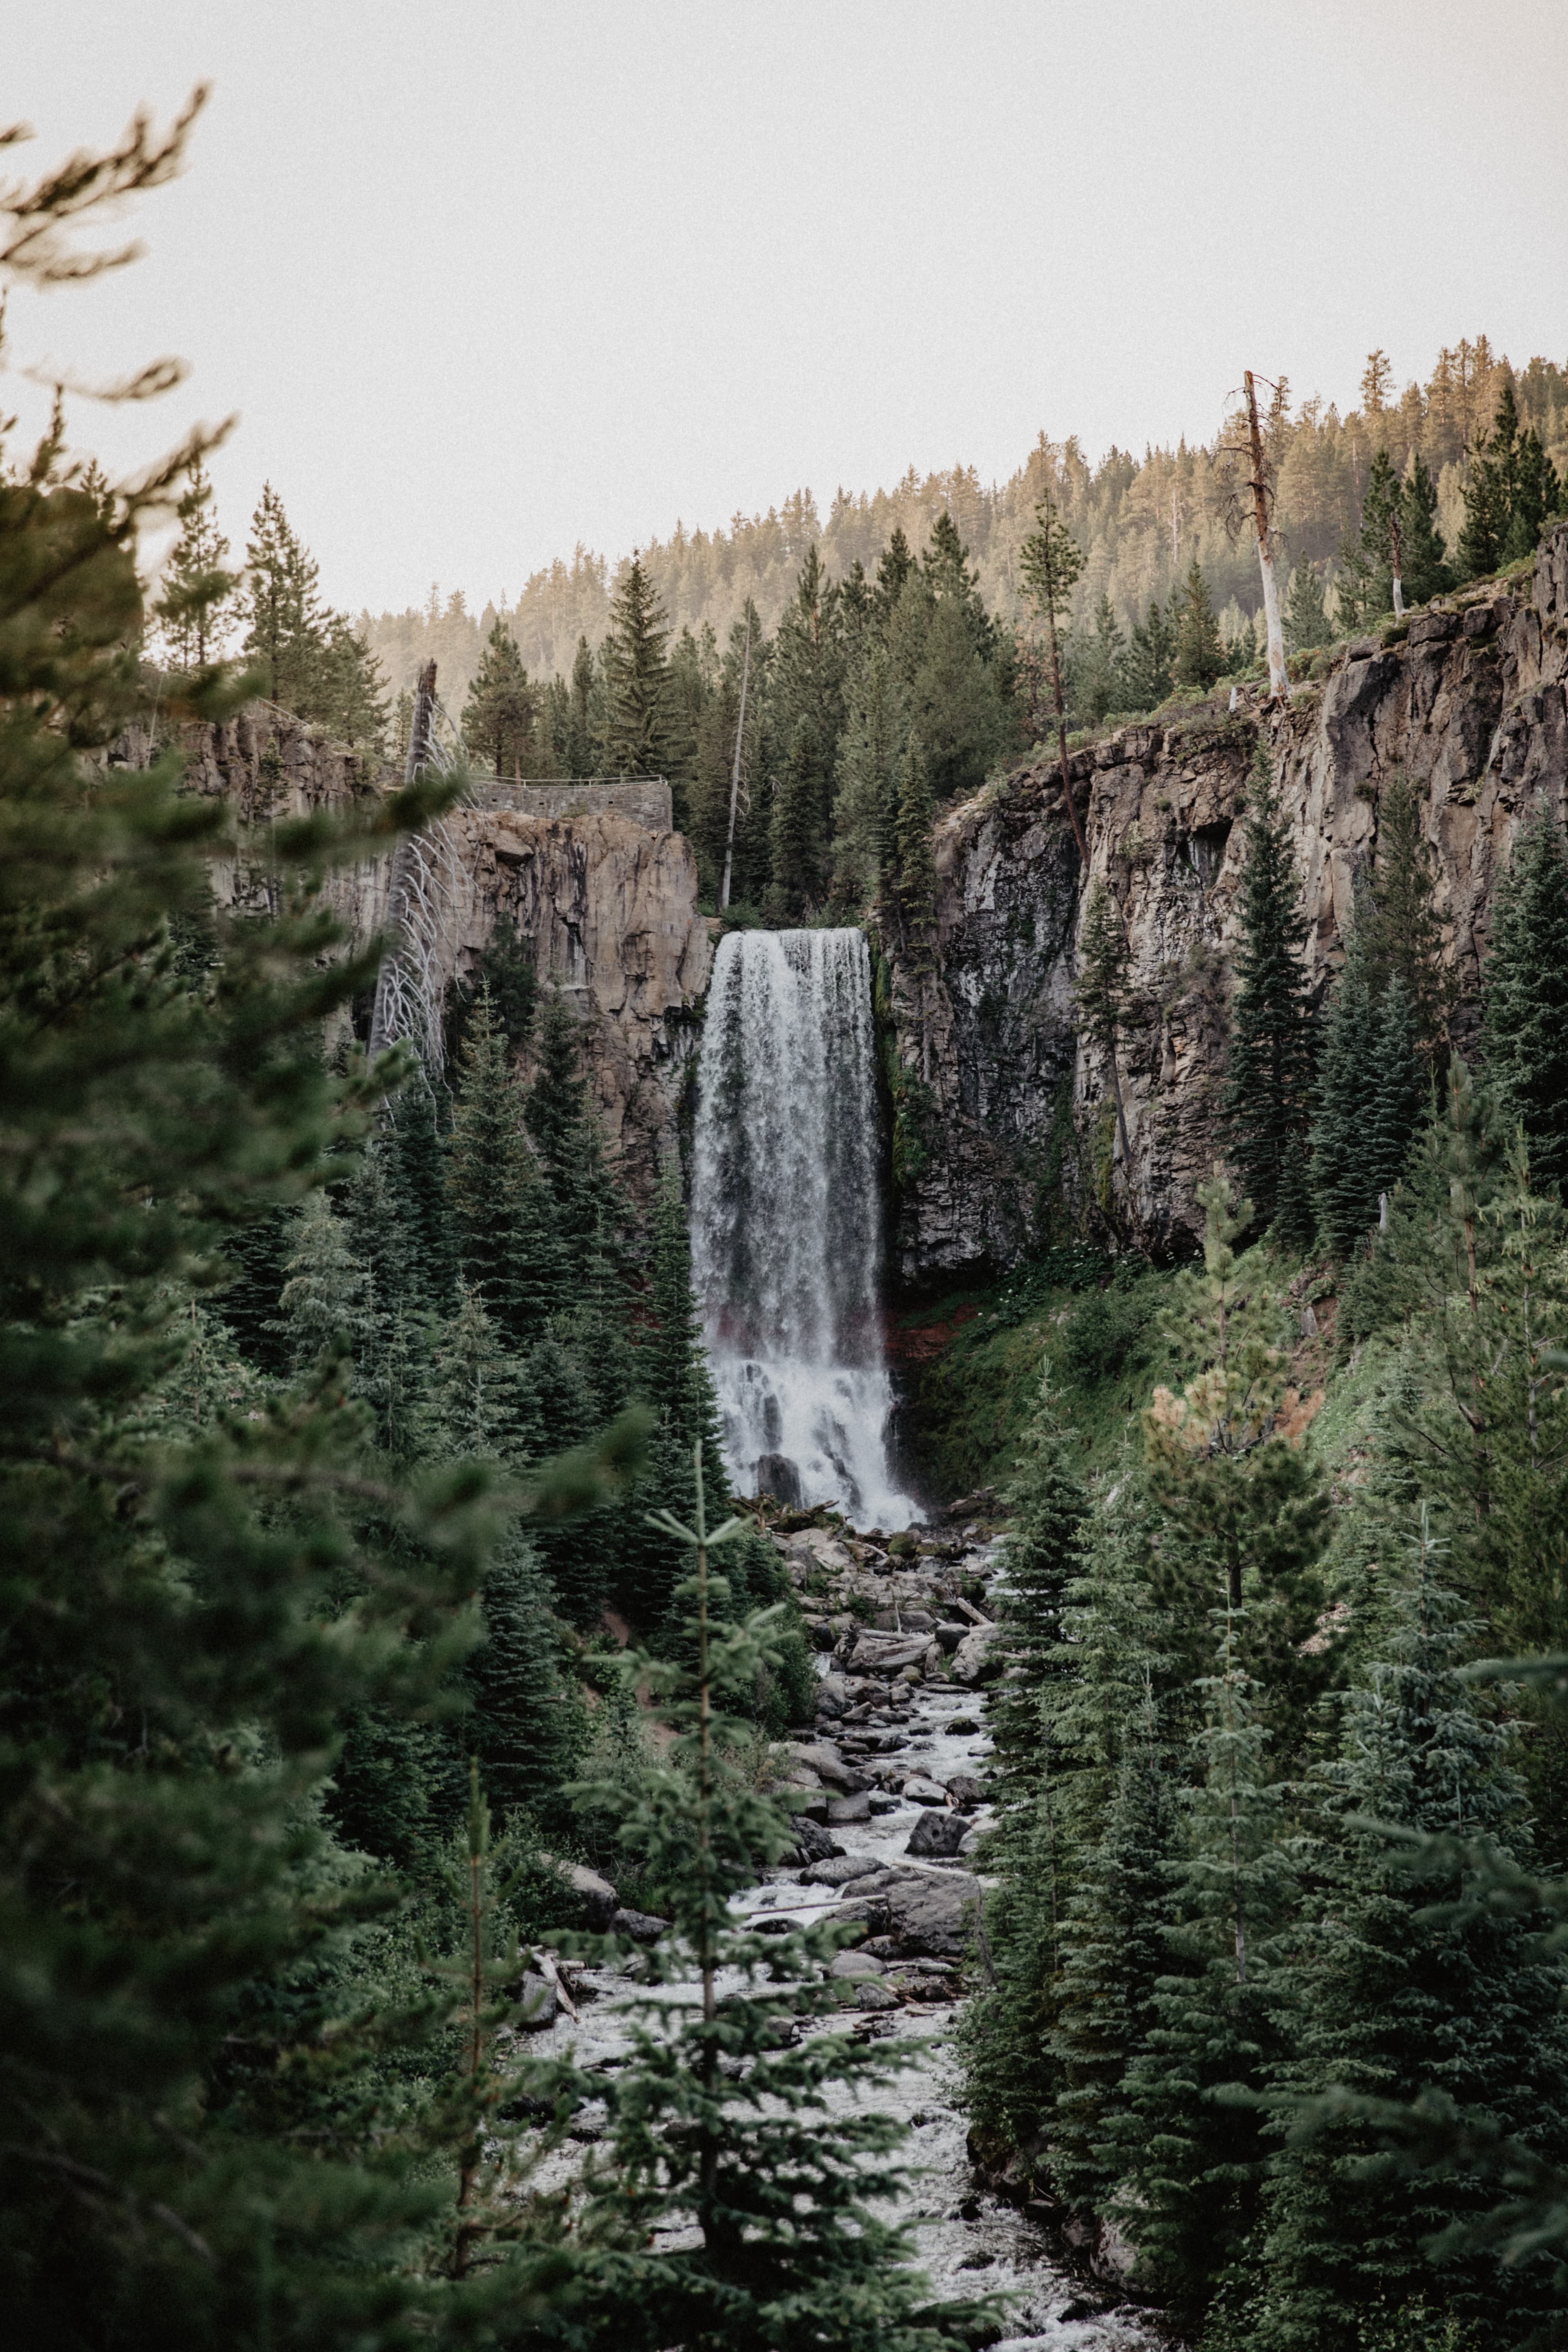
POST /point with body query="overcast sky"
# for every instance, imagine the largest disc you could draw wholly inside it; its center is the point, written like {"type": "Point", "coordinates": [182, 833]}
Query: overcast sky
{"type": "Point", "coordinates": [484, 280]}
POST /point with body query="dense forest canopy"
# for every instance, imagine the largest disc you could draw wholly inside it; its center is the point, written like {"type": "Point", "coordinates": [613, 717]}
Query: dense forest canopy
{"type": "Point", "coordinates": [1140, 521]}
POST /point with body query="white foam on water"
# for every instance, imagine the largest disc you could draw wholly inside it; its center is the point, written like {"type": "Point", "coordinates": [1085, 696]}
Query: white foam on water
{"type": "Point", "coordinates": [786, 1227]}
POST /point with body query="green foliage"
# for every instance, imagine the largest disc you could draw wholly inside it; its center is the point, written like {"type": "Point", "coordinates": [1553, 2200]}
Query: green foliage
{"type": "Point", "coordinates": [1268, 1077]}
{"type": "Point", "coordinates": [1306, 617]}
{"type": "Point", "coordinates": [310, 660]}
{"type": "Point", "coordinates": [637, 715]}
{"type": "Point", "coordinates": [1512, 492]}
{"type": "Point", "coordinates": [1199, 658]}
{"type": "Point", "coordinates": [501, 716]}
{"type": "Point", "coordinates": [719, 2118]}
{"type": "Point", "coordinates": [193, 611]}
{"type": "Point", "coordinates": [1526, 994]}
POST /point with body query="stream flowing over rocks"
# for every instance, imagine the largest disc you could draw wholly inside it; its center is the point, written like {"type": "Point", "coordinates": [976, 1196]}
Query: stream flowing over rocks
{"type": "Point", "coordinates": [893, 1778]}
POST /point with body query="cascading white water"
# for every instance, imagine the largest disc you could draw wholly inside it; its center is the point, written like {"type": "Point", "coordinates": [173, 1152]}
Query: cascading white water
{"type": "Point", "coordinates": [786, 1222]}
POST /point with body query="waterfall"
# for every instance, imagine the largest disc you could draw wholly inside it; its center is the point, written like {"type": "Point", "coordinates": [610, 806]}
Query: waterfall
{"type": "Point", "coordinates": [786, 1222]}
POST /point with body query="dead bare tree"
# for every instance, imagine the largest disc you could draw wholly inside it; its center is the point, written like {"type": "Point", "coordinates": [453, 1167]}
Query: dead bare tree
{"type": "Point", "coordinates": [1258, 482]}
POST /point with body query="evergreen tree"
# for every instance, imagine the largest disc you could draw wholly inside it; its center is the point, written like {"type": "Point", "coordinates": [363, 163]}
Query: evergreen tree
{"type": "Point", "coordinates": [1370, 1097]}
{"type": "Point", "coordinates": [1269, 1078]}
{"type": "Point", "coordinates": [637, 717]}
{"type": "Point", "coordinates": [894, 566]}
{"type": "Point", "coordinates": [805, 695]}
{"type": "Point", "coordinates": [416, 1181]}
{"type": "Point", "coordinates": [1406, 1985]}
{"type": "Point", "coordinates": [501, 715]}
{"type": "Point", "coordinates": [576, 716]}
{"type": "Point", "coordinates": [503, 1220]}
{"type": "Point", "coordinates": [1199, 655]}
{"type": "Point", "coordinates": [1525, 1030]}
{"type": "Point", "coordinates": [1047, 1507]}
{"type": "Point", "coordinates": [1403, 932]}
{"type": "Point", "coordinates": [719, 2118]}
{"type": "Point", "coordinates": [527, 1726]}
{"type": "Point", "coordinates": [1247, 1513]}
{"type": "Point", "coordinates": [914, 822]}
{"type": "Point", "coordinates": [570, 1144]}
{"type": "Point", "coordinates": [1101, 994]}
{"type": "Point", "coordinates": [1306, 616]}
{"type": "Point", "coordinates": [508, 971]}
{"type": "Point", "coordinates": [281, 608]}
{"type": "Point", "coordinates": [1150, 655]}
{"type": "Point", "coordinates": [799, 838]}
{"type": "Point", "coordinates": [1192, 2164]}
{"type": "Point", "coordinates": [1427, 573]}
{"type": "Point", "coordinates": [864, 851]}
{"type": "Point", "coordinates": [198, 589]}
{"type": "Point", "coordinates": [325, 1306]}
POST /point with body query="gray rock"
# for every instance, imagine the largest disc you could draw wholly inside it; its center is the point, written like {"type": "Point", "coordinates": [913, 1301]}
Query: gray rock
{"type": "Point", "coordinates": [836, 1870]}
{"type": "Point", "coordinates": [937, 1833]}
{"type": "Point", "coordinates": [844, 1810]}
{"type": "Point", "coordinates": [978, 1657]}
{"type": "Point", "coordinates": [537, 2005]}
{"type": "Point", "coordinates": [919, 1789]}
{"type": "Point", "coordinates": [867, 1993]}
{"type": "Point", "coordinates": [931, 1915]}
{"type": "Point", "coordinates": [642, 1926]}
{"type": "Point", "coordinates": [812, 1841]}
{"type": "Point", "coordinates": [966, 1791]}
{"type": "Point", "coordinates": [595, 1896]}
{"type": "Point", "coordinates": [854, 1963]}
{"type": "Point", "coordinates": [820, 1756]}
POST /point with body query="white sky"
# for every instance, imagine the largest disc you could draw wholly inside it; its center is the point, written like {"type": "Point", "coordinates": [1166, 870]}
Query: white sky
{"type": "Point", "coordinates": [486, 279]}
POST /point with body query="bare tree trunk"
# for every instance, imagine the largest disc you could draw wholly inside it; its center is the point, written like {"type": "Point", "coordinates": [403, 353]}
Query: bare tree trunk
{"type": "Point", "coordinates": [736, 772]}
{"type": "Point", "coordinates": [1396, 560]}
{"type": "Point", "coordinates": [1279, 677]}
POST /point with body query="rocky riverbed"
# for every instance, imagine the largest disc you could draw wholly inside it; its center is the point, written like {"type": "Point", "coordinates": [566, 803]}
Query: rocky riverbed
{"type": "Point", "coordinates": [893, 1777]}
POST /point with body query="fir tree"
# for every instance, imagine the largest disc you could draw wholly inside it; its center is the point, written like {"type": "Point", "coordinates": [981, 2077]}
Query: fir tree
{"type": "Point", "coordinates": [894, 566]}
{"type": "Point", "coordinates": [1269, 1078]}
{"type": "Point", "coordinates": [1404, 931]}
{"type": "Point", "coordinates": [1192, 2164]}
{"type": "Point", "coordinates": [1525, 1030]}
{"type": "Point", "coordinates": [1427, 573]}
{"type": "Point", "coordinates": [1047, 1506]}
{"type": "Point", "coordinates": [568, 1141]}
{"type": "Point", "coordinates": [1370, 1097]}
{"type": "Point", "coordinates": [508, 971]}
{"type": "Point", "coordinates": [799, 829]}
{"type": "Point", "coordinates": [198, 589]}
{"type": "Point", "coordinates": [527, 1726]}
{"type": "Point", "coordinates": [1100, 685]}
{"type": "Point", "coordinates": [325, 1307]}
{"type": "Point", "coordinates": [503, 1220]}
{"type": "Point", "coordinates": [1306, 616]}
{"type": "Point", "coordinates": [349, 697]}
{"type": "Point", "coordinates": [1199, 655]}
{"type": "Point", "coordinates": [864, 849]}
{"type": "Point", "coordinates": [1404, 1985]}
{"type": "Point", "coordinates": [913, 825]}
{"type": "Point", "coordinates": [281, 608]}
{"type": "Point", "coordinates": [1150, 655]}
{"type": "Point", "coordinates": [501, 714]}
{"type": "Point", "coordinates": [638, 720]}
{"type": "Point", "coordinates": [720, 2117]}
{"type": "Point", "coordinates": [1101, 994]}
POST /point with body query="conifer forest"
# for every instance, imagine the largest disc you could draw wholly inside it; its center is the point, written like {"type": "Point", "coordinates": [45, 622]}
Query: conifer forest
{"type": "Point", "coordinates": [785, 1402]}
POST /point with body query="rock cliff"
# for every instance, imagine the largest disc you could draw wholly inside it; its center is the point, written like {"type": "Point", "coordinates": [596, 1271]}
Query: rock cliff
{"type": "Point", "coordinates": [595, 876]}
{"type": "Point", "coordinates": [999, 1099]}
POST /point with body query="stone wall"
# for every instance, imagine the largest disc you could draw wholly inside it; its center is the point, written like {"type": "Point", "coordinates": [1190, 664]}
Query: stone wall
{"type": "Point", "coordinates": [1469, 700]}
{"type": "Point", "coordinates": [594, 876]}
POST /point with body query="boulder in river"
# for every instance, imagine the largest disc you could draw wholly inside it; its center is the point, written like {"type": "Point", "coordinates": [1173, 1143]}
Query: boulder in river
{"type": "Point", "coordinates": [920, 1789]}
{"type": "Point", "coordinates": [965, 1791]}
{"type": "Point", "coordinates": [537, 2005]}
{"type": "Point", "coordinates": [820, 1756]}
{"type": "Point", "coordinates": [641, 1926]}
{"type": "Point", "coordinates": [595, 1898]}
{"type": "Point", "coordinates": [978, 1657]}
{"type": "Point", "coordinates": [835, 1870]}
{"type": "Point", "coordinates": [854, 1963]}
{"type": "Point", "coordinates": [844, 1809]}
{"type": "Point", "coordinates": [937, 1833]}
{"type": "Point", "coordinates": [812, 1841]}
{"type": "Point", "coordinates": [932, 1914]}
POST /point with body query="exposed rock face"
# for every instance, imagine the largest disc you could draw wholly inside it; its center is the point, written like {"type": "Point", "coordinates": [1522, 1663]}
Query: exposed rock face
{"type": "Point", "coordinates": [1471, 702]}
{"type": "Point", "coordinates": [595, 876]}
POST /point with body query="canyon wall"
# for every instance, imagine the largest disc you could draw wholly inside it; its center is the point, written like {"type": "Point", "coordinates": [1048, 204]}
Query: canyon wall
{"type": "Point", "coordinates": [999, 1100]}
{"type": "Point", "coordinates": [594, 876]}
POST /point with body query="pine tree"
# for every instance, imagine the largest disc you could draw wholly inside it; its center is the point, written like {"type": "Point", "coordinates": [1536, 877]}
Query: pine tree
{"type": "Point", "coordinates": [719, 2116]}
{"type": "Point", "coordinates": [1101, 994]}
{"type": "Point", "coordinates": [527, 1726]}
{"type": "Point", "coordinates": [1404, 931]}
{"type": "Point", "coordinates": [1370, 1095]}
{"type": "Point", "coordinates": [350, 695]}
{"type": "Point", "coordinates": [806, 700]}
{"type": "Point", "coordinates": [798, 830]}
{"type": "Point", "coordinates": [1048, 1508]}
{"type": "Point", "coordinates": [1427, 573]}
{"type": "Point", "coordinates": [914, 822]}
{"type": "Point", "coordinates": [325, 1307]}
{"type": "Point", "coordinates": [1306, 616]}
{"type": "Point", "coordinates": [503, 1219]}
{"type": "Point", "coordinates": [281, 608]}
{"type": "Point", "coordinates": [1268, 1078]}
{"type": "Point", "coordinates": [1525, 1030]}
{"type": "Point", "coordinates": [198, 589]}
{"type": "Point", "coordinates": [1199, 655]}
{"type": "Point", "coordinates": [1150, 655]}
{"type": "Point", "coordinates": [1404, 1986]}
{"type": "Point", "coordinates": [569, 1140]}
{"type": "Point", "coordinates": [864, 852]}
{"type": "Point", "coordinates": [1192, 2165]}
{"type": "Point", "coordinates": [501, 714]}
{"type": "Point", "coordinates": [638, 720]}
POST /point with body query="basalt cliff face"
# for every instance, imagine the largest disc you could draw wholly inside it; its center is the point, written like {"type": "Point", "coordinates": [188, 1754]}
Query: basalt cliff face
{"type": "Point", "coordinates": [594, 877]}
{"type": "Point", "coordinates": [999, 1099]}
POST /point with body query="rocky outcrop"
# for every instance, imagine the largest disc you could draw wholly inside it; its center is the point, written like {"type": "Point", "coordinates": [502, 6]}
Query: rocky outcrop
{"type": "Point", "coordinates": [1000, 1097]}
{"type": "Point", "coordinates": [594, 876]}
